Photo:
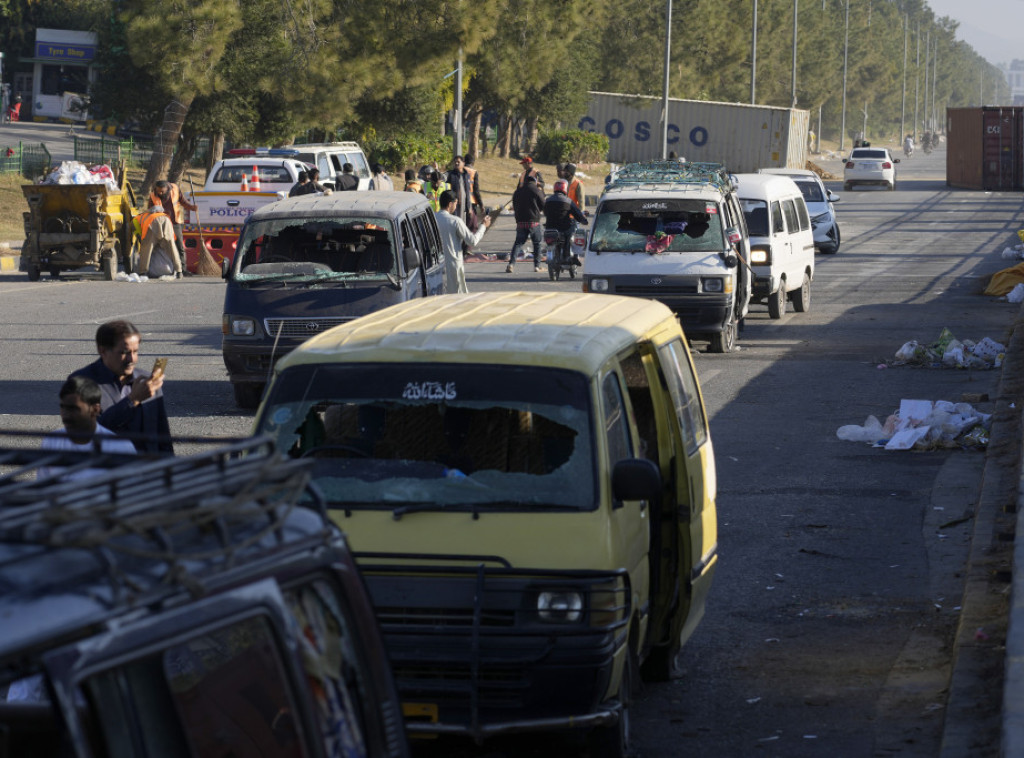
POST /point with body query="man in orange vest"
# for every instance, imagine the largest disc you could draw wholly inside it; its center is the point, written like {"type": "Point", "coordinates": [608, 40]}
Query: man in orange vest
{"type": "Point", "coordinates": [155, 229]}
{"type": "Point", "coordinates": [174, 204]}
{"type": "Point", "coordinates": [575, 192]}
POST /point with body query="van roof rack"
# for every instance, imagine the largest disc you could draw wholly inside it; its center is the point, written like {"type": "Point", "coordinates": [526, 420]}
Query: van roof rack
{"type": "Point", "coordinates": [197, 514]}
{"type": "Point", "coordinates": [673, 172]}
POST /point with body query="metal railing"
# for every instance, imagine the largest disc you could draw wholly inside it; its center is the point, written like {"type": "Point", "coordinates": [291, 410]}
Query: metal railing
{"type": "Point", "coordinates": [29, 160]}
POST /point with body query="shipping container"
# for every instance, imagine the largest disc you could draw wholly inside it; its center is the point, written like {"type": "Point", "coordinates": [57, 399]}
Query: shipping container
{"type": "Point", "coordinates": [985, 148]}
{"type": "Point", "coordinates": [742, 137]}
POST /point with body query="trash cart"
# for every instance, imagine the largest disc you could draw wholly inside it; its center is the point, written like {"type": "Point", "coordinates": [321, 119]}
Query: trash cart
{"type": "Point", "coordinates": [71, 226]}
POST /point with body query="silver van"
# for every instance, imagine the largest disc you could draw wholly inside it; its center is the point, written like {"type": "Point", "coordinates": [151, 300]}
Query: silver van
{"type": "Point", "coordinates": [307, 264]}
{"type": "Point", "coordinates": [674, 232]}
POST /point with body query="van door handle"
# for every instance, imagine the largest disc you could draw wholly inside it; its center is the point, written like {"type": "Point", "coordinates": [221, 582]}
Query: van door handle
{"type": "Point", "coordinates": [233, 203]}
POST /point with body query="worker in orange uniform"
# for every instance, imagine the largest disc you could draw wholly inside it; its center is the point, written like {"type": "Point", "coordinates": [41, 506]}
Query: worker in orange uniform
{"type": "Point", "coordinates": [575, 192]}
{"type": "Point", "coordinates": [168, 196]}
{"type": "Point", "coordinates": [155, 228]}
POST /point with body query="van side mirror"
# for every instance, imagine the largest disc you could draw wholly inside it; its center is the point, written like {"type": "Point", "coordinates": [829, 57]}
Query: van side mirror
{"type": "Point", "coordinates": [733, 235]}
{"type": "Point", "coordinates": [225, 268]}
{"type": "Point", "coordinates": [636, 479]}
{"type": "Point", "coordinates": [411, 259]}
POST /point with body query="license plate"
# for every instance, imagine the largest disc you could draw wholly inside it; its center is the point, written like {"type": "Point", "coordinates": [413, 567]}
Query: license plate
{"type": "Point", "coordinates": [420, 712]}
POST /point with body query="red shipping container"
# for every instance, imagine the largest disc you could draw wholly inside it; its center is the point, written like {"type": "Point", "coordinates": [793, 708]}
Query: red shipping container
{"type": "Point", "coordinates": [985, 148]}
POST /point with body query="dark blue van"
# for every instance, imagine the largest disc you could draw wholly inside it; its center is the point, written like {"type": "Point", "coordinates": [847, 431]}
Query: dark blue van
{"type": "Point", "coordinates": [310, 263]}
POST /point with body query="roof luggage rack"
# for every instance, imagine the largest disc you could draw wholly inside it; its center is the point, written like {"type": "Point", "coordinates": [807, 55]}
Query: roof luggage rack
{"type": "Point", "coordinates": [198, 513]}
{"type": "Point", "coordinates": [673, 172]}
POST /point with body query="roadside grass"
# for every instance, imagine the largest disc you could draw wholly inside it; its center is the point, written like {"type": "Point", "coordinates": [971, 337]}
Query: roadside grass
{"type": "Point", "coordinates": [12, 205]}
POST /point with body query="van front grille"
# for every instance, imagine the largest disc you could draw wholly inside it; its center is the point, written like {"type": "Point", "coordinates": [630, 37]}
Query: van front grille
{"type": "Point", "coordinates": [302, 328]}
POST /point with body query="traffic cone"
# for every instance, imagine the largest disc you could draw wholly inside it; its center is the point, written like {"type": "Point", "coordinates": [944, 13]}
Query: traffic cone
{"type": "Point", "coordinates": [254, 186]}
{"type": "Point", "coordinates": [245, 183]}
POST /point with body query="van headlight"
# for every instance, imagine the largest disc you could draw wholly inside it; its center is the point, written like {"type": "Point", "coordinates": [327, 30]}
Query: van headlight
{"type": "Point", "coordinates": [242, 327]}
{"type": "Point", "coordinates": [717, 284]}
{"type": "Point", "coordinates": [560, 606]}
{"type": "Point", "coordinates": [598, 285]}
{"type": "Point", "coordinates": [760, 256]}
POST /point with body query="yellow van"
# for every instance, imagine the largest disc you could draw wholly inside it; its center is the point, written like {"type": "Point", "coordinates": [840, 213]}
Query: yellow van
{"type": "Point", "coordinates": [528, 485]}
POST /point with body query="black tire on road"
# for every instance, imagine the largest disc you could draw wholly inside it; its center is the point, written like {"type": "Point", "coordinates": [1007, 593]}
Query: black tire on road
{"type": "Point", "coordinates": [839, 240]}
{"type": "Point", "coordinates": [847, 187]}
{"type": "Point", "coordinates": [725, 340]}
{"type": "Point", "coordinates": [614, 741]}
{"type": "Point", "coordinates": [248, 394]}
{"type": "Point", "coordinates": [55, 272]}
{"type": "Point", "coordinates": [802, 296]}
{"type": "Point", "coordinates": [109, 266]}
{"type": "Point", "coordinates": [32, 269]}
{"type": "Point", "coordinates": [663, 664]}
{"type": "Point", "coordinates": [777, 302]}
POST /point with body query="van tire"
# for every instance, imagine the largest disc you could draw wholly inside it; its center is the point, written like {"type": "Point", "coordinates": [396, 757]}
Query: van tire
{"type": "Point", "coordinates": [777, 302]}
{"type": "Point", "coordinates": [247, 395]}
{"type": "Point", "coordinates": [802, 296]}
{"type": "Point", "coordinates": [614, 741]}
{"type": "Point", "coordinates": [725, 340]}
{"type": "Point", "coordinates": [662, 664]}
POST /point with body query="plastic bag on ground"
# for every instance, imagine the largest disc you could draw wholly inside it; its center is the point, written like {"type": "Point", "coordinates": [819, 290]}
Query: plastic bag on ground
{"type": "Point", "coordinates": [1016, 295]}
{"type": "Point", "coordinates": [988, 348]}
{"type": "Point", "coordinates": [870, 432]}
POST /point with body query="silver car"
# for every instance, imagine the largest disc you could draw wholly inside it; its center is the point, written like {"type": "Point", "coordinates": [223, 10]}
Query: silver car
{"type": "Point", "coordinates": [819, 200]}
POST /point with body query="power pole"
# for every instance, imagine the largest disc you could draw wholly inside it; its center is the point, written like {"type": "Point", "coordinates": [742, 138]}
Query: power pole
{"type": "Point", "coordinates": [795, 7]}
{"type": "Point", "coordinates": [753, 59]}
{"type": "Point", "coordinates": [846, 58]}
{"type": "Point", "coordinates": [903, 108]}
{"type": "Point", "coordinates": [664, 97]}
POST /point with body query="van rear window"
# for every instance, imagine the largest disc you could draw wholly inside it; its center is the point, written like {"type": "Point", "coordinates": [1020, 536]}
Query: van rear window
{"type": "Point", "coordinates": [268, 175]}
{"type": "Point", "coordinates": [657, 226]}
{"type": "Point", "coordinates": [321, 247]}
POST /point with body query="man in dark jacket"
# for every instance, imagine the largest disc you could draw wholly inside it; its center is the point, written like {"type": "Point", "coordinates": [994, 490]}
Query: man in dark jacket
{"type": "Point", "coordinates": [132, 402]}
{"type": "Point", "coordinates": [348, 181]}
{"type": "Point", "coordinates": [563, 214]}
{"type": "Point", "coordinates": [528, 206]}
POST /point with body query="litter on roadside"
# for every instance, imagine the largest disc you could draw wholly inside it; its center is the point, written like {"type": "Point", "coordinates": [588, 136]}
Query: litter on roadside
{"type": "Point", "coordinates": [923, 425]}
{"type": "Point", "coordinates": [950, 352]}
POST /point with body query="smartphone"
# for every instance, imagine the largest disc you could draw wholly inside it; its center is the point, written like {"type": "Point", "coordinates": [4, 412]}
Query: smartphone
{"type": "Point", "coordinates": [158, 366]}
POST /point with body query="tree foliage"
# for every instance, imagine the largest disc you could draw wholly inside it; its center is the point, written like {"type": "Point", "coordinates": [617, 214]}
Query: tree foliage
{"type": "Point", "coordinates": [264, 71]}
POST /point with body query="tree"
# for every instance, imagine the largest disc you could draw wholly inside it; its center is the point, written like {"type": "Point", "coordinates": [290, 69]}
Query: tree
{"type": "Point", "coordinates": [180, 42]}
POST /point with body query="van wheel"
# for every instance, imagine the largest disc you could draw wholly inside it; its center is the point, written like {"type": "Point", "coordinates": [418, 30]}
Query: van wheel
{"type": "Point", "coordinates": [777, 302]}
{"type": "Point", "coordinates": [248, 394]}
{"type": "Point", "coordinates": [614, 741]}
{"type": "Point", "coordinates": [802, 297]}
{"type": "Point", "coordinates": [32, 269]}
{"type": "Point", "coordinates": [662, 664]}
{"type": "Point", "coordinates": [847, 186]}
{"type": "Point", "coordinates": [725, 340]}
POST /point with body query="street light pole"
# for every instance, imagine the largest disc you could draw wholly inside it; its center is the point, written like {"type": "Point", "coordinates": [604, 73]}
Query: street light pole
{"type": "Point", "coordinates": [664, 99]}
{"type": "Point", "coordinates": [846, 57]}
{"type": "Point", "coordinates": [917, 79]}
{"type": "Point", "coordinates": [753, 59]}
{"type": "Point", "coordinates": [457, 142]}
{"type": "Point", "coordinates": [795, 4]}
{"type": "Point", "coordinates": [903, 108]}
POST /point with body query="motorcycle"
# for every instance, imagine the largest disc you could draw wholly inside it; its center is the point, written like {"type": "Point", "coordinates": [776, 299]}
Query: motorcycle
{"type": "Point", "coordinates": [559, 245]}
{"type": "Point", "coordinates": [908, 150]}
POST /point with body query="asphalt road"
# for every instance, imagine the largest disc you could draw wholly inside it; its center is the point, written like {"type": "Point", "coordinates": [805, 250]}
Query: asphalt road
{"type": "Point", "coordinates": [832, 613]}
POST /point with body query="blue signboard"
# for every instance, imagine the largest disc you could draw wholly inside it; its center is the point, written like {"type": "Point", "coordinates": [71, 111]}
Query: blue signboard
{"type": "Point", "coordinates": [63, 51]}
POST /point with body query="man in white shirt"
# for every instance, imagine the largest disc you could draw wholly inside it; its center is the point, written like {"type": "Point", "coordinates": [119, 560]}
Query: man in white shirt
{"type": "Point", "coordinates": [454, 233]}
{"type": "Point", "coordinates": [79, 408]}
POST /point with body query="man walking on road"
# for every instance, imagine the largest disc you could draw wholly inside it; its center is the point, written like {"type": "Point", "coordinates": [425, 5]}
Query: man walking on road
{"type": "Point", "coordinates": [528, 207]}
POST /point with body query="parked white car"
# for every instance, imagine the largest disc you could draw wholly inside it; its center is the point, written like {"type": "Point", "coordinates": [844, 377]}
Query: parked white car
{"type": "Point", "coordinates": [870, 165]}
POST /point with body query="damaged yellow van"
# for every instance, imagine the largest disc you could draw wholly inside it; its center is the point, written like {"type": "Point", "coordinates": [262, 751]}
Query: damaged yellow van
{"type": "Point", "coordinates": [528, 484]}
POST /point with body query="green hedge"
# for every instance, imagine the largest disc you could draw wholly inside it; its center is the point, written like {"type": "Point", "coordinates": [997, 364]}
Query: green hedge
{"type": "Point", "coordinates": [571, 146]}
{"type": "Point", "coordinates": [408, 151]}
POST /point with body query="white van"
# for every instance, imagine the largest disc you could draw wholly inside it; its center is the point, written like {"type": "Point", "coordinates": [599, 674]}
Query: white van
{"type": "Point", "coordinates": [674, 232]}
{"type": "Point", "coordinates": [331, 157]}
{"type": "Point", "coordinates": [781, 241]}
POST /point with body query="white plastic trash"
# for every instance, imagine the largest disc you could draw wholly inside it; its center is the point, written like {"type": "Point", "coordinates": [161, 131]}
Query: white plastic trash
{"type": "Point", "coordinates": [1016, 295]}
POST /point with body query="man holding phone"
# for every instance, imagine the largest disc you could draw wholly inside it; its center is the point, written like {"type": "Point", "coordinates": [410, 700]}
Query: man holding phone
{"type": "Point", "coordinates": [132, 404]}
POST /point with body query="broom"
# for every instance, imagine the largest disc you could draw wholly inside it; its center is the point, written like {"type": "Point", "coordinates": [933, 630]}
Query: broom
{"type": "Point", "coordinates": [206, 265]}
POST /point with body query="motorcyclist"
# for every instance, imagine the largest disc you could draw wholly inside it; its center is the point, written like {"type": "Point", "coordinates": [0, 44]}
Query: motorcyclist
{"type": "Point", "coordinates": [562, 214]}
{"type": "Point", "coordinates": [908, 146]}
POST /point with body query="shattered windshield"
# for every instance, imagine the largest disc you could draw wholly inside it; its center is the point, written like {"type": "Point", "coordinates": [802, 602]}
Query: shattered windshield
{"type": "Point", "coordinates": [321, 248]}
{"type": "Point", "coordinates": [415, 435]}
{"type": "Point", "coordinates": [657, 226]}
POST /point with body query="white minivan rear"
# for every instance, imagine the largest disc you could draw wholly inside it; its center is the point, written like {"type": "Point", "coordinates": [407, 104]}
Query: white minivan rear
{"type": "Point", "coordinates": [781, 241]}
